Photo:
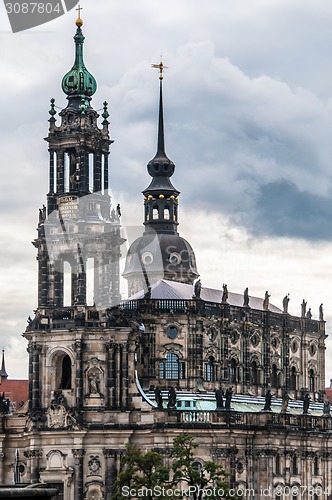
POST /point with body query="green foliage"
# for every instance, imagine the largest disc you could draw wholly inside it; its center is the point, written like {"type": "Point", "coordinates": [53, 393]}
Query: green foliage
{"type": "Point", "coordinates": [210, 476]}
{"type": "Point", "coordinates": [144, 472]}
{"type": "Point", "coordinates": [141, 470]}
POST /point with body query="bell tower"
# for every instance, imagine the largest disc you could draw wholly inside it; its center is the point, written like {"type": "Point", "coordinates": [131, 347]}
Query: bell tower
{"type": "Point", "coordinates": [78, 229]}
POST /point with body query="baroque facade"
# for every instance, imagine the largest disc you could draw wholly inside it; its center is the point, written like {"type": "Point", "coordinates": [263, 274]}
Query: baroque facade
{"type": "Point", "coordinates": [101, 372]}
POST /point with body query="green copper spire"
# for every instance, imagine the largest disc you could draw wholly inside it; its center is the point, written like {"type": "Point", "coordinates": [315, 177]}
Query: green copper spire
{"type": "Point", "coordinates": [78, 83]}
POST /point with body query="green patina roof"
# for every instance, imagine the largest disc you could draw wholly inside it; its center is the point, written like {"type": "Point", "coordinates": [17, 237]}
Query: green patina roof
{"type": "Point", "coordinates": [79, 81]}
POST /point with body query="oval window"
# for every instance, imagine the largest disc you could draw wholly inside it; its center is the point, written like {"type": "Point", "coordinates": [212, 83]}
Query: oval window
{"type": "Point", "coordinates": [147, 258]}
{"type": "Point", "coordinates": [172, 332]}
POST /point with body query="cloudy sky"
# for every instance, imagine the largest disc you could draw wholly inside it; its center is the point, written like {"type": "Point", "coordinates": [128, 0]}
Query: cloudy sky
{"type": "Point", "coordinates": [248, 109]}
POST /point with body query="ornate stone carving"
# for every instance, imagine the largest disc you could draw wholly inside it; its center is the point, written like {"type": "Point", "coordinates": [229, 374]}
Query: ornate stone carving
{"type": "Point", "coordinates": [33, 453]}
{"type": "Point", "coordinates": [59, 416]}
{"type": "Point", "coordinates": [94, 466]}
{"type": "Point", "coordinates": [78, 452]}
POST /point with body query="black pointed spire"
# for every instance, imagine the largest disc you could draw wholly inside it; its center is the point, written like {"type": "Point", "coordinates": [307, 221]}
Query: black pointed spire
{"type": "Point", "coordinates": [161, 135]}
{"type": "Point", "coordinates": [3, 373]}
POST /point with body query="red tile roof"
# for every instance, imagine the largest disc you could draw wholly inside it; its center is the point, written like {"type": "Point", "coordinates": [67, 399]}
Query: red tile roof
{"type": "Point", "coordinates": [15, 390]}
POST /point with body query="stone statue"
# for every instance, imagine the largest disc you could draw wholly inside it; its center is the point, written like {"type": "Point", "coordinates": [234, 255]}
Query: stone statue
{"type": "Point", "coordinates": [94, 382]}
{"type": "Point", "coordinates": [266, 301]}
{"type": "Point", "coordinates": [285, 303]}
{"type": "Point", "coordinates": [303, 308]}
{"type": "Point", "coordinates": [171, 398]}
{"type": "Point", "coordinates": [285, 399]}
{"type": "Point", "coordinates": [309, 314]}
{"type": "Point", "coordinates": [219, 398]}
{"type": "Point", "coordinates": [268, 400]}
{"type": "Point", "coordinates": [224, 293]}
{"type": "Point", "coordinates": [246, 298]}
{"type": "Point", "coordinates": [321, 313]}
{"type": "Point", "coordinates": [118, 210]}
{"type": "Point", "coordinates": [327, 408]}
{"type": "Point", "coordinates": [159, 398]}
{"type": "Point", "coordinates": [228, 396]}
{"type": "Point", "coordinates": [197, 289]}
{"type": "Point", "coordinates": [306, 404]}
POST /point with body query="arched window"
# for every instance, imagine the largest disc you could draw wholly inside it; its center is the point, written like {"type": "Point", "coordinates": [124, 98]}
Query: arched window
{"type": "Point", "coordinates": [65, 381]}
{"type": "Point", "coordinates": [166, 213]}
{"type": "Point", "coordinates": [292, 381]}
{"type": "Point", "coordinates": [295, 468]}
{"type": "Point", "coordinates": [155, 213]}
{"type": "Point", "coordinates": [232, 371]}
{"type": "Point", "coordinates": [254, 373]}
{"type": "Point", "coordinates": [316, 466]}
{"type": "Point", "coordinates": [209, 370]}
{"type": "Point", "coordinates": [171, 369]}
{"type": "Point", "coordinates": [274, 377]}
{"type": "Point", "coordinates": [311, 381]}
{"type": "Point", "coordinates": [278, 465]}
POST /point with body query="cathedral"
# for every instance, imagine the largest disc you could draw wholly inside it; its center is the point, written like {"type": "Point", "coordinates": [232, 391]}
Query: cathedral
{"type": "Point", "coordinates": [241, 375]}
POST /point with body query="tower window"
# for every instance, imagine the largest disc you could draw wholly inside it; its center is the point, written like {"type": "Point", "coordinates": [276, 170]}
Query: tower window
{"type": "Point", "coordinates": [274, 377]}
{"type": "Point", "coordinates": [166, 213]}
{"type": "Point", "coordinates": [254, 373]}
{"type": "Point", "coordinates": [316, 467]}
{"type": "Point", "coordinates": [278, 465]}
{"type": "Point", "coordinates": [65, 382]}
{"type": "Point", "coordinates": [232, 372]}
{"type": "Point", "coordinates": [209, 370]}
{"type": "Point", "coordinates": [293, 379]}
{"type": "Point", "coordinates": [311, 381]}
{"type": "Point", "coordinates": [295, 469]}
{"type": "Point", "coordinates": [155, 213]}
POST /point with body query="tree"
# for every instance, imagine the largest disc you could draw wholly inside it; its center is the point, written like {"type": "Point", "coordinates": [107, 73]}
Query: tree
{"type": "Point", "coordinates": [206, 481]}
{"type": "Point", "coordinates": [142, 472]}
{"type": "Point", "coordinates": [144, 476]}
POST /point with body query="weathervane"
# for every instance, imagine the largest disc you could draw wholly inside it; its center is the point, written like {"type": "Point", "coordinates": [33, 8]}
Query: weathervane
{"type": "Point", "coordinates": [161, 68]}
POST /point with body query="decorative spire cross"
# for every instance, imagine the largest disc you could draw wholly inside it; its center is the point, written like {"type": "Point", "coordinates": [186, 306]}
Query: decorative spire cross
{"type": "Point", "coordinates": [161, 68]}
{"type": "Point", "coordinates": [79, 21]}
{"type": "Point", "coordinates": [79, 8]}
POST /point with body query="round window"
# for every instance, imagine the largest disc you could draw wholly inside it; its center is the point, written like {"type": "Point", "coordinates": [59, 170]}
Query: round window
{"type": "Point", "coordinates": [147, 258]}
{"type": "Point", "coordinates": [172, 332]}
{"type": "Point", "coordinates": [175, 258]}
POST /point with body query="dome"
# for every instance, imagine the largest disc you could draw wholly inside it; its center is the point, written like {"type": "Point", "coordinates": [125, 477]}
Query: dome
{"type": "Point", "coordinates": [161, 255]}
{"type": "Point", "coordinates": [79, 81]}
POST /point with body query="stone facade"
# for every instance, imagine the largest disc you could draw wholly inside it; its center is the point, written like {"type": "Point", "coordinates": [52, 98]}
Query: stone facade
{"type": "Point", "coordinates": [93, 368]}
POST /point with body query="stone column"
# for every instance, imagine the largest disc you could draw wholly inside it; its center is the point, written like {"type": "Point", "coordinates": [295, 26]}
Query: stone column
{"type": "Point", "coordinates": [60, 172]}
{"type": "Point", "coordinates": [110, 471]}
{"type": "Point", "coordinates": [110, 387]}
{"type": "Point", "coordinates": [106, 173]}
{"type": "Point", "coordinates": [81, 277]}
{"type": "Point", "coordinates": [58, 284]}
{"type": "Point", "coordinates": [79, 345]}
{"type": "Point", "coordinates": [79, 460]}
{"type": "Point", "coordinates": [124, 376]}
{"type": "Point", "coordinates": [97, 172]}
{"type": "Point", "coordinates": [118, 357]}
{"type": "Point", "coordinates": [34, 376]}
{"type": "Point", "coordinates": [33, 456]}
{"type": "Point", "coordinates": [43, 281]}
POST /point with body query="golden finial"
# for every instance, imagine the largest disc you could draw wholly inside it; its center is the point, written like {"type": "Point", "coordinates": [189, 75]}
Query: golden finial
{"type": "Point", "coordinates": [79, 21]}
{"type": "Point", "coordinates": [161, 68]}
